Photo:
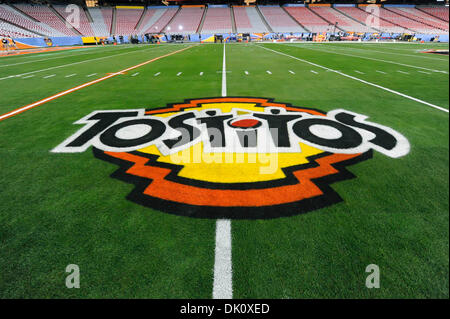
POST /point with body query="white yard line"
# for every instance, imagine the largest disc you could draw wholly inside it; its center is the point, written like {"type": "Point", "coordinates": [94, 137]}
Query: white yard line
{"type": "Point", "coordinates": [223, 274]}
{"type": "Point", "coordinates": [360, 80]}
{"type": "Point", "coordinates": [88, 76]}
{"type": "Point", "coordinates": [359, 72]}
{"type": "Point", "coordinates": [403, 72]}
{"type": "Point", "coordinates": [70, 75]}
{"type": "Point", "coordinates": [74, 63]}
{"type": "Point", "coordinates": [373, 59]}
{"type": "Point", "coordinates": [224, 72]}
{"type": "Point", "coordinates": [314, 72]}
{"type": "Point", "coordinates": [424, 72]}
{"type": "Point", "coordinates": [60, 56]}
{"type": "Point", "coordinates": [49, 76]}
{"type": "Point", "coordinates": [135, 74]}
{"type": "Point", "coordinates": [27, 77]}
{"type": "Point", "coordinates": [383, 72]}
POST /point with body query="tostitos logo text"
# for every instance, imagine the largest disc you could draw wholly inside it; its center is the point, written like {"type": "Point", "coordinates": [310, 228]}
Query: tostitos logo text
{"type": "Point", "coordinates": [233, 157]}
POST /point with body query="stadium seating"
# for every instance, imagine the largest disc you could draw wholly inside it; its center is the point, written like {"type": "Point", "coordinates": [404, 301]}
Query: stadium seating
{"type": "Point", "coordinates": [435, 25]}
{"type": "Point", "coordinates": [279, 20]}
{"type": "Point", "coordinates": [439, 12]}
{"type": "Point", "coordinates": [84, 26]}
{"type": "Point", "coordinates": [107, 14]}
{"type": "Point", "coordinates": [343, 22]}
{"type": "Point", "coordinates": [158, 21]}
{"type": "Point", "coordinates": [248, 20]}
{"type": "Point", "coordinates": [217, 20]}
{"type": "Point", "coordinates": [11, 15]}
{"type": "Point", "coordinates": [98, 25]}
{"type": "Point", "coordinates": [126, 21]}
{"type": "Point", "coordinates": [27, 20]}
{"type": "Point", "coordinates": [309, 20]}
{"type": "Point", "coordinates": [366, 17]}
{"type": "Point", "coordinates": [186, 21]}
{"type": "Point", "coordinates": [405, 23]}
{"type": "Point", "coordinates": [9, 30]}
{"type": "Point", "coordinates": [45, 15]}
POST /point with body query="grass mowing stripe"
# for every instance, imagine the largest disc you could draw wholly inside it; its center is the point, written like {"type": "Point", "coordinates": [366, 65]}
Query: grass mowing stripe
{"type": "Point", "coordinates": [360, 80]}
{"type": "Point", "coordinates": [223, 275]}
{"type": "Point", "coordinates": [374, 59]}
{"type": "Point", "coordinates": [74, 63]}
{"type": "Point", "coordinates": [50, 98]}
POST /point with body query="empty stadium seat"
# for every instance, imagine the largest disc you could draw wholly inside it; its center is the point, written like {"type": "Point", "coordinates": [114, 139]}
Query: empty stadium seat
{"type": "Point", "coordinates": [84, 26]}
{"type": "Point", "coordinates": [98, 24]}
{"type": "Point", "coordinates": [279, 20]}
{"type": "Point", "coordinates": [9, 14]}
{"type": "Point", "coordinates": [186, 21]}
{"type": "Point", "coordinates": [309, 20]}
{"type": "Point", "coordinates": [126, 21]}
{"type": "Point", "coordinates": [438, 12]}
{"type": "Point", "coordinates": [45, 15]}
{"type": "Point", "coordinates": [434, 24]}
{"type": "Point", "coordinates": [217, 20]}
{"type": "Point", "coordinates": [343, 22]}
{"type": "Point", "coordinates": [248, 20]}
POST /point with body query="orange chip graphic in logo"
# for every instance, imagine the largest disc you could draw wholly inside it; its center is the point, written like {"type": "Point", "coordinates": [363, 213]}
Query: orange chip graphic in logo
{"type": "Point", "coordinates": [233, 157]}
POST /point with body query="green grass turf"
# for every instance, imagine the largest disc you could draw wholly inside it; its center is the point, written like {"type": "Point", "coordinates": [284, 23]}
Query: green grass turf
{"type": "Point", "coordinates": [58, 209]}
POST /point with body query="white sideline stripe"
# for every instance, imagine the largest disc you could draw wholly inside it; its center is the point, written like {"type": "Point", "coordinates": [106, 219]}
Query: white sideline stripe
{"type": "Point", "coordinates": [402, 72]}
{"type": "Point", "coordinates": [156, 74]}
{"type": "Point", "coordinates": [314, 72]}
{"type": "Point", "coordinates": [359, 72]}
{"type": "Point", "coordinates": [223, 274]}
{"type": "Point", "coordinates": [88, 76]}
{"type": "Point", "coordinates": [179, 73]}
{"type": "Point", "coordinates": [360, 80]}
{"type": "Point", "coordinates": [135, 74]}
{"type": "Point", "coordinates": [292, 72]}
{"type": "Point", "coordinates": [424, 72]}
{"type": "Point", "coordinates": [379, 60]}
{"type": "Point", "coordinates": [383, 72]}
{"type": "Point", "coordinates": [246, 72]}
{"type": "Point", "coordinates": [49, 76]}
{"type": "Point", "coordinates": [70, 75]}
{"type": "Point", "coordinates": [74, 63]}
{"type": "Point", "coordinates": [269, 72]}
{"type": "Point", "coordinates": [201, 73]}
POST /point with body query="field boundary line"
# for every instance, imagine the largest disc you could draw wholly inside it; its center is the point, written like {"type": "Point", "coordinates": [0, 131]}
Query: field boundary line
{"type": "Point", "coordinates": [369, 58]}
{"type": "Point", "coordinates": [360, 80]}
{"type": "Point", "coordinates": [74, 63]}
{"type": "Point", "coordinates": [79, 87]}
{"type": "Point", "coordinates": [223, 273]}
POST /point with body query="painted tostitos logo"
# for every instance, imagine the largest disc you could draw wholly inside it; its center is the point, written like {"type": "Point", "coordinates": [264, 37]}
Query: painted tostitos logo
{"type": "Point", "coordinates": [233, 157]}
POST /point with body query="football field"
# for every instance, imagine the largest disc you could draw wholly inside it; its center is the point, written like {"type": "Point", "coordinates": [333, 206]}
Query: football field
{"type": "Point", "coordinates": [139, 225]}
